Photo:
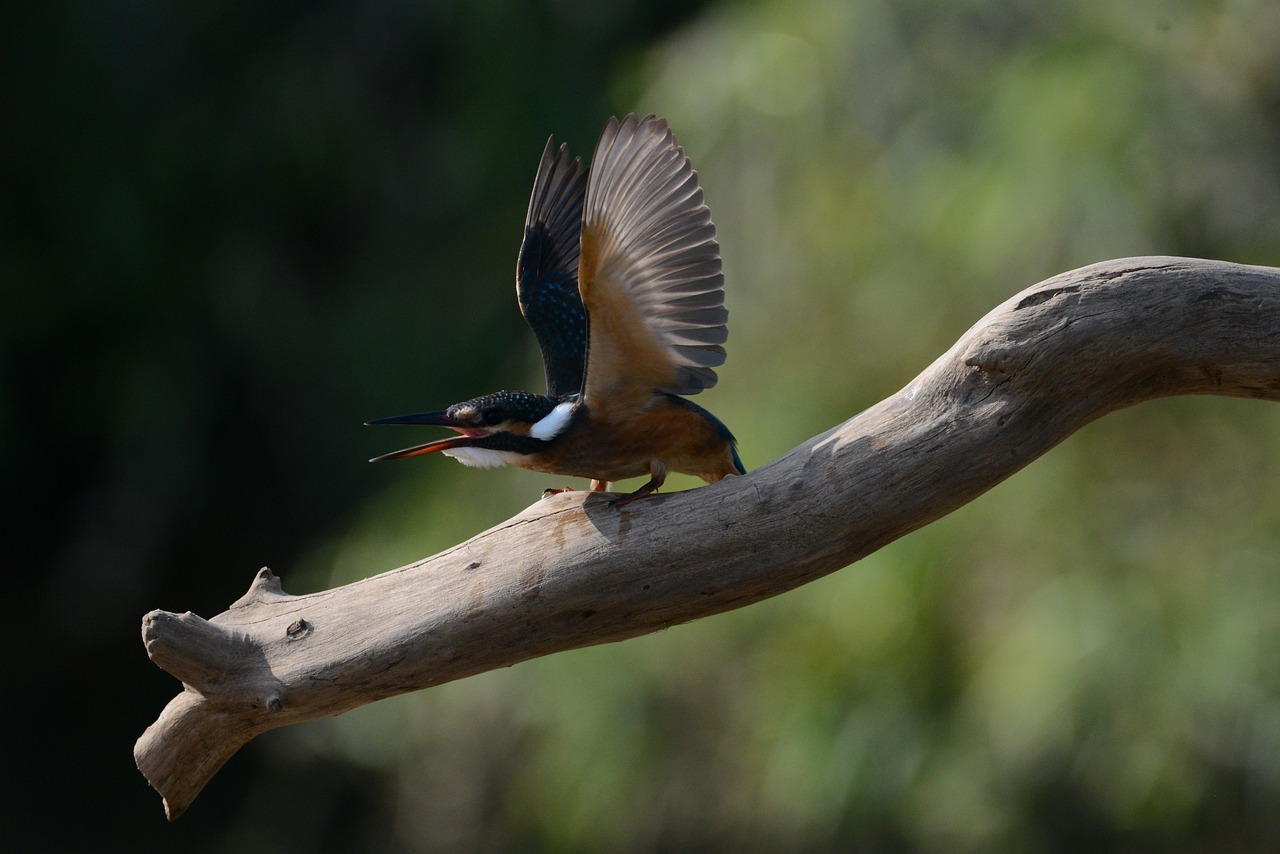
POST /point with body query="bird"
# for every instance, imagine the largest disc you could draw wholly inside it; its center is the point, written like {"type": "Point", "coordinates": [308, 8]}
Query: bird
{"type": "Point", "coordinates": [619, 277]}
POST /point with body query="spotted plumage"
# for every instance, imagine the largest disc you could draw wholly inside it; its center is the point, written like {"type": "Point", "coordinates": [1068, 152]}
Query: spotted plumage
{"type": "Point", "coordinates": [619, 277]}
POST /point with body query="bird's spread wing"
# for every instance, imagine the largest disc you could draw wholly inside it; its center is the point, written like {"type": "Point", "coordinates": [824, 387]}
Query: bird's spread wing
{"type": "Point", "coordinates": [547, 269]}
{"type": "Point", "coordinates": [650, 270]}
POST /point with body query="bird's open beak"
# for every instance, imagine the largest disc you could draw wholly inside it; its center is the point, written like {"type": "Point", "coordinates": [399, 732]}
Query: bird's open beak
{"type": "Point", "coordinates": [430, 419]}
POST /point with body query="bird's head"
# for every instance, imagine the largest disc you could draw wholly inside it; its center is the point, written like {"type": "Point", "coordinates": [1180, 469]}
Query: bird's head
{"type": "Point", "coordinates": [491, 429]}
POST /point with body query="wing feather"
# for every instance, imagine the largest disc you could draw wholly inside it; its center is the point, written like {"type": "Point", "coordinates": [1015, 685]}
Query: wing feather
{"type": "Point", "coordinates": [649, 273]}
{"type": "Point", "coordinates": [547, 269]}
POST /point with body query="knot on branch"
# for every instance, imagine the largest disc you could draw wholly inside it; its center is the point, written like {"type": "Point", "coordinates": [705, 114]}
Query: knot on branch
{"type": "Point", "coordinates": [265, 588]}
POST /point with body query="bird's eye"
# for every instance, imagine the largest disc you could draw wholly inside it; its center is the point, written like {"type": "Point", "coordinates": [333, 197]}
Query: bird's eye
{"type": "Point", "coordinates": [494, 416]}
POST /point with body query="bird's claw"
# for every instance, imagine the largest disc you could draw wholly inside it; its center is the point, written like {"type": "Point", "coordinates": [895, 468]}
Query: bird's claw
{"type": "Point", "coordinates": [547, 493]}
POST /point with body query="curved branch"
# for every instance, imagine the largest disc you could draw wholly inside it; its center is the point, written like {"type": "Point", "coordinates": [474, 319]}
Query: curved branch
{"type": "Point", "coordinates": [571, 571]}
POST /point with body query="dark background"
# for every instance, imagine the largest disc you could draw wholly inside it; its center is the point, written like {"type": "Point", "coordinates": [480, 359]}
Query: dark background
{"type": "Point", "coordinates": [233, 232]}
{"type": "Point", "coordinates": [218, 224]}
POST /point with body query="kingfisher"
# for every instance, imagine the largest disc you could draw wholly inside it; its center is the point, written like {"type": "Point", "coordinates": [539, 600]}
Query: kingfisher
{"type": "Point", "coordinates": [619, 277]}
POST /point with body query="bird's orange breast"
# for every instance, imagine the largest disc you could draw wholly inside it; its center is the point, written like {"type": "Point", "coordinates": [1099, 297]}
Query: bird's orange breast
{"type": "Point", "coordinates": [625, 444]}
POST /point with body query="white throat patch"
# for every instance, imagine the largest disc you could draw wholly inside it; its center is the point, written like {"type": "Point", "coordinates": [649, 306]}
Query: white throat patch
{"type": "Point", "coordinates": [554, 422]}
{"type": "Point", "coordinates": [482, 458]}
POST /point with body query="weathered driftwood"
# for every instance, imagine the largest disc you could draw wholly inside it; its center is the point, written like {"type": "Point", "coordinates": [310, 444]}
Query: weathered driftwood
{"type": "Point", "coordinates": [571, 571]}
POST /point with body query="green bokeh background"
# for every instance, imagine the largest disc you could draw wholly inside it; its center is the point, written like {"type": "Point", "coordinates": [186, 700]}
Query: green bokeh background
{"type": "Point", "coordinates": [233, 232]}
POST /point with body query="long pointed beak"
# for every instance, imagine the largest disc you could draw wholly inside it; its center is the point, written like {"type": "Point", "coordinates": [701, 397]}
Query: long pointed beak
{"type": "Point", "coordinates": [429, 419]}
{"type": "Point", "coordinates": [428, 448]}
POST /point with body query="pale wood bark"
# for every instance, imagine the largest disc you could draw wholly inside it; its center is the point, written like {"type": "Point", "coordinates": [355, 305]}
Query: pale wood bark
{"type": "Point", "coordinates": [571, 571]}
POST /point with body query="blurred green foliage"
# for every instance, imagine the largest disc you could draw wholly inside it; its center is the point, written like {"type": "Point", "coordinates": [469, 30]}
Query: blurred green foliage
{"type": "Point", "coordinates": [1080, 660]}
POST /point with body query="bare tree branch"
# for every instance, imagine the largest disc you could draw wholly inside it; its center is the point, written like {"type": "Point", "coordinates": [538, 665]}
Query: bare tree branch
{"type": "Point", "coordinates": [571, 571]}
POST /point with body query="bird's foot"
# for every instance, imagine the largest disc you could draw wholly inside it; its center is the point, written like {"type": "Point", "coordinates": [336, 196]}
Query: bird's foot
{"type": "Point", "coordinates": [657, 476]}
{"type": "Point", "coordinates": [547, 493]}
{"type": "Point", "coordinates": [623, 500]}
